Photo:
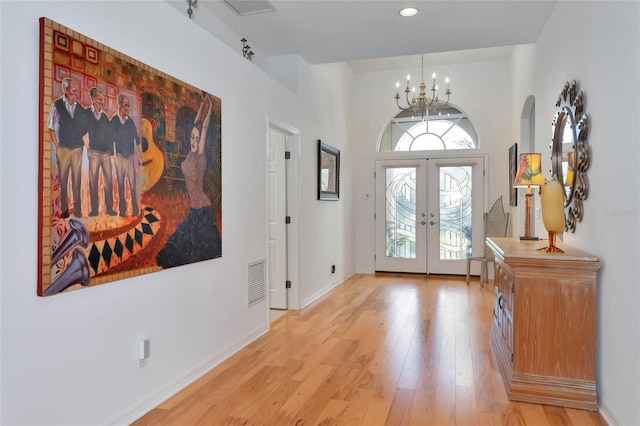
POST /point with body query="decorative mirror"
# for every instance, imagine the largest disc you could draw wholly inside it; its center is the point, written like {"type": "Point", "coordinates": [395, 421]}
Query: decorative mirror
{"type": "Point", "coordinates": [570, 152]}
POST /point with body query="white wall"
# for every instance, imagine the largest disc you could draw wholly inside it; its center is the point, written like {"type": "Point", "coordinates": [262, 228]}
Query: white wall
{"type": "Point", "coordinates": [598, 44]}
{"type": "Point", "coordinates": [330, 89]}
{"type": "Point", "coordinates": [71, 358]}
{"type": "Point", "coordinates": [523, 79]}
{"type": "Point", "coordinates": [481, 89]}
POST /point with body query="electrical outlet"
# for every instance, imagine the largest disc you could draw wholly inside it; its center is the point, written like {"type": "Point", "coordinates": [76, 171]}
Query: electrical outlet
{"type": "Point", "coordinates": [144, 352]}
{"type": "Point", "coordinates": [333, 268]}
{"type": "Point", "coordinates": [537, 212]}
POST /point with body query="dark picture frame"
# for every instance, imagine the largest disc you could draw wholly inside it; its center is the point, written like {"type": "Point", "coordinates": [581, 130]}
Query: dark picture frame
{"type": "Point", "coordinates": [513, 168]}
{"type": "Point", "coordinates": [328, 172]}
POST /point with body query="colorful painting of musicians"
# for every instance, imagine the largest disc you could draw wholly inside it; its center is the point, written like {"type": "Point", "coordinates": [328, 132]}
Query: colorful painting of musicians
{"type": "Point", "coordinates": [130, 166]}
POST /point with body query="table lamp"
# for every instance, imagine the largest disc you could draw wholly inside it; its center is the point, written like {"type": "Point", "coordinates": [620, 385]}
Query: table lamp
{"type": "Point", "coordinates": [529, 175]}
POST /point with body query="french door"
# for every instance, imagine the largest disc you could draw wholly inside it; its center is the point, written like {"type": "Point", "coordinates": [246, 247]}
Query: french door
{"type": "Point", "coordinates": [428, 214]}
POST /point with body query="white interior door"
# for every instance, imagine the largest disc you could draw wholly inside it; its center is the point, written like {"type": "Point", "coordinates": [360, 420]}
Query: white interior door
{"type": "Point", "coordinates": [428, 214]}
{"type": "Point", "coordinates": [277, 246]}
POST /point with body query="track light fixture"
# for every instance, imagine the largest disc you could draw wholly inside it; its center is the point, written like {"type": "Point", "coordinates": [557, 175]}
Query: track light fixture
{"type": "Point", "coordinates": [246, 49]}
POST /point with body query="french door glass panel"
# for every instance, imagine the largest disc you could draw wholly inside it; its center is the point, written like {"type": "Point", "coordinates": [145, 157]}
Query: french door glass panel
{"type": "Point", "coordinates": [400, 217]}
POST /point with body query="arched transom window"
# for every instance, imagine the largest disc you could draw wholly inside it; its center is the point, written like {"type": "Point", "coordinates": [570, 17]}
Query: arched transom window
{"type": "Point", "coordinates": [446, 129]}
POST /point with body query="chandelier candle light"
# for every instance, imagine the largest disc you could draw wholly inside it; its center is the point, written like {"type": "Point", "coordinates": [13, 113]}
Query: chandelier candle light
{"type": "Point", "coordinates": [422, 103]}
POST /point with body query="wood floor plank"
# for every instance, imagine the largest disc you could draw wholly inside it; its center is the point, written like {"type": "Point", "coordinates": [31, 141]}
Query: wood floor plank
{"type": "Point", "coordinates": [376, 414]}
{"type": "Point", "coordinates": [332, 413]}
{"type": "Point", "coordinates": [424, 399]}
{"type": "Point", "coordinates": [533, 414]}
{"type": "Point", "coordinates": [388, 349]}
{"type": "Point", "coordinates": [400, 411]}
{"type": "Point", "coordinates": [557, 416]}
{"type": "Point", "coordinates": [466, 409]}
{"type": "Point", "coordinates": [153, 417]}
{"type": "Point", "coordinates": [491, 397]}
{"type": "Point", "coordinates": [271, 405]}
{"type": "Point", "coordinates": [512, 416]}
{"type": "Point", "coordinates": [345, 413]}
{"type": "Point", "coordinates": [586, 418]}
{"type": "Point", "coordinates": [444, 414]}
{"type": "Point", "coordinates": [314, 359]}
{"type": "Point", "coordinates": [302, 395]}
{"type": "Point", "coordinates": [184, 414]}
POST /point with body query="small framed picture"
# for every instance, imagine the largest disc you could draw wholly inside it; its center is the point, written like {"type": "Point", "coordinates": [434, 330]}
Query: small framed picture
{"type": "Point", "coordinates": [328, 172]}
{"type": "Point", "coordinates": [513, 168]}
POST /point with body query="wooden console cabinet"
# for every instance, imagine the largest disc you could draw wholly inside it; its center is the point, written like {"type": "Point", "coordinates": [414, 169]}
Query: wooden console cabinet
{"type": "Point", "coordinates": [544, 327]}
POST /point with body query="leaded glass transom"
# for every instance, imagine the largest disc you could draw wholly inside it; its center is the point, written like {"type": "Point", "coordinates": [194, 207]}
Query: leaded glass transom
{"type": "Point", "coordinates": [449, 128]}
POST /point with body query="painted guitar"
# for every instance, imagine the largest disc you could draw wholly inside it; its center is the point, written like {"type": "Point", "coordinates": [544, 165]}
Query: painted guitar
{"type": "Point", "coordinates": [154, 158]}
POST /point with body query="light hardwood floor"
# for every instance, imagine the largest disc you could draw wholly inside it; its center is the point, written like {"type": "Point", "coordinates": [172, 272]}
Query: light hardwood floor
{"type": "Point", "coordinates": [384, 349]}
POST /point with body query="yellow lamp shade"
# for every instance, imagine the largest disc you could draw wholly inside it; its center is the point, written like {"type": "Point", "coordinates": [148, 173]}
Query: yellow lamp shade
{"type": "Point", "coordinates": [529, 171]}
{"type": "Point", "coordinates": [552, 203]}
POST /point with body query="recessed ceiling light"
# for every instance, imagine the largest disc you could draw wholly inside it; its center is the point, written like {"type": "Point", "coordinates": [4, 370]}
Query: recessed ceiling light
{"type": "Point", "coordinates": [408, 11]}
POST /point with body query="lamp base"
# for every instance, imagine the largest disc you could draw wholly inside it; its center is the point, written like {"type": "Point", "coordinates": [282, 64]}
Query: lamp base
{"type": "Point", "coordinates": [525, 238]}
{"type": "Point", "coordinates": [551, 248]}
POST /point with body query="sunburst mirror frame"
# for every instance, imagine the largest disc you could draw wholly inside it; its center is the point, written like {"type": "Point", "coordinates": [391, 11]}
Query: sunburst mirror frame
{"type": "Point", "coordinates": [570, 152]}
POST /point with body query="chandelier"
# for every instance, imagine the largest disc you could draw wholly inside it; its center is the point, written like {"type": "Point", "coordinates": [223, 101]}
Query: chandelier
{"type": "Point", "coordinates": [422, 103]}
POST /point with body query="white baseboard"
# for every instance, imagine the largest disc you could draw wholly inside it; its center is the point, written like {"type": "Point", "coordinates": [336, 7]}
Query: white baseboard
{"type": "Point", "coordinates": [318, 294]}
{"type": "Point", "coordinates": [608, 415]}
{"type": "Point", "coordinates": [139, 409]}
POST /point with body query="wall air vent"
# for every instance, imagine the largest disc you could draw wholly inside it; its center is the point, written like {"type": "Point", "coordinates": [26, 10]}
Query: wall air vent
{"type": "Point", "coordinates": [256, 281]}
{"type": "Point", "coordinates": [250, 7]}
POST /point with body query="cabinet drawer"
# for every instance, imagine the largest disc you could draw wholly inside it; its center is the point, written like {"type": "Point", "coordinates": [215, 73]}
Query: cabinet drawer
{"type": "Point", "coordinates": [503, 303]}
{"type": "Point", "coordinates": [504, 281]}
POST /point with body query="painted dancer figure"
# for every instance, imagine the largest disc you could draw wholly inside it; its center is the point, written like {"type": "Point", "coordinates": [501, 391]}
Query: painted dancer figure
{"type": "Point", "coordinates": [125, 136]}
{"type": "Point", "coordinates": [99, 153]}
{"type": "Point", "coordinates": [67, 127]}
{"type": "Point", "coordinates": [197, 237]}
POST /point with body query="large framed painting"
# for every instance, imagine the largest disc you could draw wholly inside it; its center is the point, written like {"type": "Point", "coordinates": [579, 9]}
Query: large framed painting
{"type": "Point", "coordinates": [129, 166]}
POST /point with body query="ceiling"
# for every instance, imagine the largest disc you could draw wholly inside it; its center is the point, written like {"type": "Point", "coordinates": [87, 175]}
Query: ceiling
{"type": "Point", "coordinates": [358, 31]}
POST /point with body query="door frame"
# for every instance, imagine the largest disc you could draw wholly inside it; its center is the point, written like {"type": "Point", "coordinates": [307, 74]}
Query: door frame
{"type": "Point", "coordinates": [292, 145]}
{"type": "Point", "coordinates": [477, 246]}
